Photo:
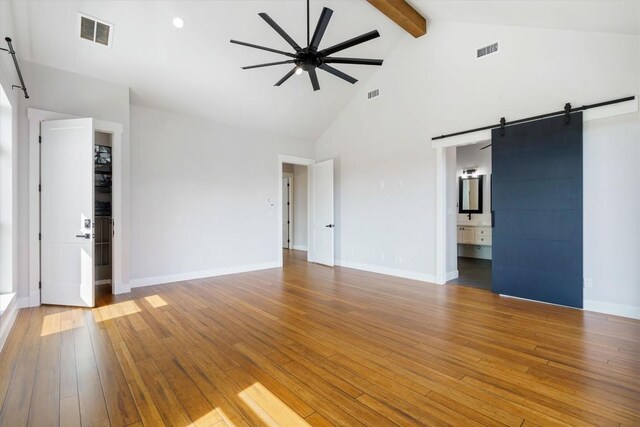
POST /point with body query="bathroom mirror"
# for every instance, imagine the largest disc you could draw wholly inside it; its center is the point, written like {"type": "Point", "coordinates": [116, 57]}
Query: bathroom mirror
{"type": "Point", "coordinates": [470, 194]}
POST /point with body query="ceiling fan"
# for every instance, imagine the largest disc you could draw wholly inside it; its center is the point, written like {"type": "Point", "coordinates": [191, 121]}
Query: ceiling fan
{"type": "Point", "coordinates": [310, 58]}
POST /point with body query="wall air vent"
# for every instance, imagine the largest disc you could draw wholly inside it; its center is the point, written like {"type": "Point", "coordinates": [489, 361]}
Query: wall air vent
{"type": "Point", "coordinates": [94, 30]}
{"type": "Point", "coordinates": [487, 50]}
{"type": "Point", "coordinates": [373, 94]}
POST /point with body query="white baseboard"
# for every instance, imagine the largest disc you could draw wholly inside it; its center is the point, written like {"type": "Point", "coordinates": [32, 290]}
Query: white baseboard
{"type": "Point", "coordinates": [160, 280]}
{"type": "Point", "coordinates": [407, 274]}
{"type": "Point", "coordinates": [452, 275]}
{"type": "Point", "coordinates": [611, 308]}
{"type": "Point", "coordinates": [300, 248]}
{"type": "Point", "coordinates": [8, 317]}
{"type": "Point", "coordinates": [33, 300]}
{"type": "Point", "coordinates": [103, 282]}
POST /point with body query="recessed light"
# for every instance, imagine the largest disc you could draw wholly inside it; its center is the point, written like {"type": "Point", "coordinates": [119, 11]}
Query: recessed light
{"type": "Point", "coordinates": [178, 22]}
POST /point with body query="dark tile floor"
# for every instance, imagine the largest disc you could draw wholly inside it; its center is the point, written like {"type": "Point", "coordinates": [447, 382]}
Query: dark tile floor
{"type": "Point", "coordinates": [473, 272]}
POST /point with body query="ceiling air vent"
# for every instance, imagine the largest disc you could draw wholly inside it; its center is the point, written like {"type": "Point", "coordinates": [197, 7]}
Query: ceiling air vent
{"type": "Point", "coordinates": [373, 94]}
{"type": "Point", "coordinates": [487, 50]}
{"type": "Point", "coordinates": [95, 31]}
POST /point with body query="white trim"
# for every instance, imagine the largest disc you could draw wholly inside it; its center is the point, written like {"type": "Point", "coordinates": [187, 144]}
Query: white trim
{"type": "Point", "coordinates": [453, 275]}
{"type": "Point", "coordinates": [406, 274]}
{"type": "Point", "coordinates": [300, 247]}
{"type": "Point", "coordinates": [8, 316]}
{"type": "Point", "coordinates": [611, 308]}
{"type": "Point", "coordinates": [302, 161]}
{"type": "Point", "coordinates": [466, 139]}
{"type": "Point", "coordinates": [484, 136]}
{"type": "Point", "coordinates": [102, 282]}
{"type": "Point", "coordinates": [181, 277]}
{"type": "Point", "coordinates": [36, 116]}
{"type": "Point", "coordinates": [441, 216]}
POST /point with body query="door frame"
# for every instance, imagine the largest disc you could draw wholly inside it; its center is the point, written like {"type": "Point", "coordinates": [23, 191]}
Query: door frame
{"type": "Point", "coordinates": [289, 176]}
{"type": "Point", "coordinates": [444, 219]}
{"type": "Point", "coordinates": [293, 160]}
{"type": "Point", "coordinates": [35, 116]}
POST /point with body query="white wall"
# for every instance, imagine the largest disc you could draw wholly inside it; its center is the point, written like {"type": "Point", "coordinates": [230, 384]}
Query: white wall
{"type": "Point", "coordinates": [300, 222]}
{"type": "Point", "coordinates": [385, 166]}
{"type": "Point", "coordinates": [195, 213]}
{"type": "Point", "coordinates": [77, 95]}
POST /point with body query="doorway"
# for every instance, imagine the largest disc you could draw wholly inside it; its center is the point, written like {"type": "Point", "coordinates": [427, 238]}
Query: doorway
{"type": "Point", "coordinates": [63, 245]}
{"type": "Point", "coordinates": [318, 221]}
{"type": "Point", "coordinates": [473, 197]}
{"type": "Point", "coordinates": [103, 218]}
{"type": "Point", "coordinates": [294, 207]}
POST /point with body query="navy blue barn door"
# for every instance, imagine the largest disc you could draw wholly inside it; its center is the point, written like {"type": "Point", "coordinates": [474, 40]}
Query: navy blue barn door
{"type": "Point", "coordinates": [537, 204]}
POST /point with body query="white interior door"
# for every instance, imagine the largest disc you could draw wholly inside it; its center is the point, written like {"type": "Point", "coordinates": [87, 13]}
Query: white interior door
{"type": "Point", "coordinates": [322, 225]}
{"type": "Point", "coordinates": [67, 180]}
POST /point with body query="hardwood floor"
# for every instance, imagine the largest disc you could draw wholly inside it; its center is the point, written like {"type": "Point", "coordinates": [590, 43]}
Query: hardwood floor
{"type": "Point", "coordinates": [313, 345]}
{"type": "Point", "coordinates": [473, 272]}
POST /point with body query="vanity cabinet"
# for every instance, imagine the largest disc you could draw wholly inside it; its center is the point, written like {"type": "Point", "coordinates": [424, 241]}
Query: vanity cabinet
{"type": "Point", "coordinates": [474, 235]}
{"type": "Point", "coordinates": [466, 235]}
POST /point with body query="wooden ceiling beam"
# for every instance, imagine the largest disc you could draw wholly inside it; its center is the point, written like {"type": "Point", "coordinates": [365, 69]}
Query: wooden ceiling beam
{"type": "Point", "coordinates": [403, 14]}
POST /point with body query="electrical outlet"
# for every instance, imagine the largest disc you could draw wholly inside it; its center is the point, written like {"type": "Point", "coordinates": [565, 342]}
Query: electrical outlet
{"type": "Point", "coordinates": [588, 283]}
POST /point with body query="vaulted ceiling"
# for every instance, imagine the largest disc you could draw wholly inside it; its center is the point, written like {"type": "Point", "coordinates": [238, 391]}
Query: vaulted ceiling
{"type": "Point", "coordinates": [196, 71]}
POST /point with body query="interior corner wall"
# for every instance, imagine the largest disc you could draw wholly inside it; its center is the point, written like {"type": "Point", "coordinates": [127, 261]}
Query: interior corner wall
{"type": "Point", "coordinates": [77, 95]}
{"type": "Point", "coordinates": [204, 198]}
{"type": "Point", "coordinates": [385, 163]}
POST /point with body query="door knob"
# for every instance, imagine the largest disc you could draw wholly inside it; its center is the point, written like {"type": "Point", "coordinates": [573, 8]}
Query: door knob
{"type": "Point", "coordinates": [330, 226]}
{"type": "Point", "coordinates": [84, 236]}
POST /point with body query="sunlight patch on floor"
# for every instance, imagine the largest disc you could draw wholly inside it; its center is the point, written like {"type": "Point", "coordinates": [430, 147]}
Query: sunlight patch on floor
{"type": "Point", "coordinates": [156, 301]}
{"type": "Point", "coordinates": [114, 311]}
{"type": "Point", "coordinates": [269, 407]}
{"type": "Point", "coordinates": [67, 320]}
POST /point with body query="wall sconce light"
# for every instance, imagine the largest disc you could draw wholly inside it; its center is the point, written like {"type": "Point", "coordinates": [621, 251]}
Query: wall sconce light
{"type": "Point", "coordinates": [470, 173]}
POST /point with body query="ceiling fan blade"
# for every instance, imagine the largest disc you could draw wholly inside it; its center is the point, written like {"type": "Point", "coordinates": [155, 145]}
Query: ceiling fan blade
{"type": "Point", "coordinates": [325, 17]}
{"type": "Point", "coordinates": [338, 73]}
{"type": "Point", "coordinates": [314, 79]}
{"type": "Point", "coordinates": [268, 49]}
{"type": "Point", "coordinates": [350, 43]}
{"type": "Point", "coordinates": [291, 61]}
{"type": "Point", "coordinates": [286, 76]}
{"type": "Point", "coordinates": [280, 31]}
{"type": "Point", "coordinates": [355, 61]}
{"type": "Point", "coordinates": [486, 146]}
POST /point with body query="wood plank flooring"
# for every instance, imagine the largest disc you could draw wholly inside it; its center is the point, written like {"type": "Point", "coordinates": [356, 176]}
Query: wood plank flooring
{"type": "Point", "coordinates": [310, 345]}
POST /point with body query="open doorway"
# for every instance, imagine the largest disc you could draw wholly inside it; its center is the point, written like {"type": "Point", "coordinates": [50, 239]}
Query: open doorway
{"type": "Point", "coordinates": [473, 227]}
{"type": "Point", "coordinates": [103, 219]}
{"type": "Point", "coordinates": [294, 207]}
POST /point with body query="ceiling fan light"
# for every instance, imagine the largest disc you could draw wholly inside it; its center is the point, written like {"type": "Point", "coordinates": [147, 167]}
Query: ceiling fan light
{"type": "Point", "coordinates": [178, 22]}
{"type": "Point", "coordinates": [298, 71]}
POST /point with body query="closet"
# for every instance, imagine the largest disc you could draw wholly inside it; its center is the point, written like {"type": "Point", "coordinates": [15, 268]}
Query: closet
{"type": "Point", "coordinates": [103, 221]}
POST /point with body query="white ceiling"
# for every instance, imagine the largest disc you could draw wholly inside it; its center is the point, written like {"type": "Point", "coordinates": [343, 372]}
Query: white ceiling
{"type": "Point", "coordinates": [196, 71]}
